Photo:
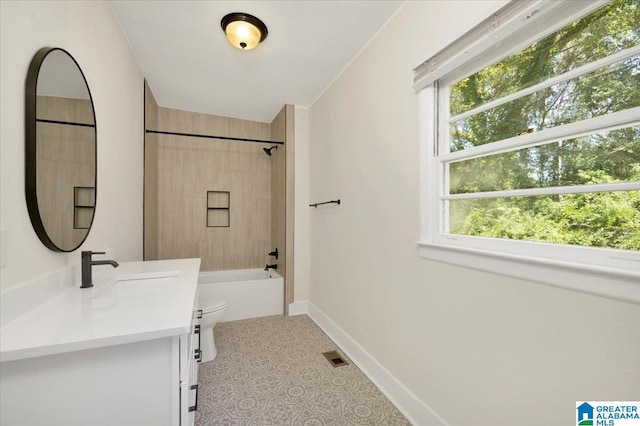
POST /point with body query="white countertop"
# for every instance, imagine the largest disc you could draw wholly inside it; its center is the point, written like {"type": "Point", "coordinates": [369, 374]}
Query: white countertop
{"type": "Point", "coordinates": [109, 313]}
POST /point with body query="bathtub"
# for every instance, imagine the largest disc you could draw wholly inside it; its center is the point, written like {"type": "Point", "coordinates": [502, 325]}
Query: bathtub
{"type": "Point", "coordinates": [249, 293]}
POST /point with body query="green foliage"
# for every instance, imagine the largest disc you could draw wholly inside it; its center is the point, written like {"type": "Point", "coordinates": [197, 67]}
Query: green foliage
{"type": "Point", "coordinates": [607, 31]}
{"type": "Point", "coordinates": [593, 219]}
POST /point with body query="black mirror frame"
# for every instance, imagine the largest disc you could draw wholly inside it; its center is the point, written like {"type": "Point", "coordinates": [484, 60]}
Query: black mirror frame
{"type": "Point", "coordinates": [30, 178]}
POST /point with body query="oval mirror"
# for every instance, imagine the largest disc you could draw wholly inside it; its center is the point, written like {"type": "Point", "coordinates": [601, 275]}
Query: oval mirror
{"type": "Point", "coordinates": [60, 150]}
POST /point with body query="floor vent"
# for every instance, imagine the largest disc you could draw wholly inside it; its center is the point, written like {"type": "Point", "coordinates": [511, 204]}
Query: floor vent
{"type": "Point", "coordinates": [334, 358]}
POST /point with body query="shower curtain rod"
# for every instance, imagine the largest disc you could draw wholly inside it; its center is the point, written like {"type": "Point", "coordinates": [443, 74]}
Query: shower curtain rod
{"type": "Point", "coordinates": [228, 138]}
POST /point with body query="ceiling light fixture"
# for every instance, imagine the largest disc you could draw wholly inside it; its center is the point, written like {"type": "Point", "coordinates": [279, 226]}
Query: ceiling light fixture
{"type": "Point", "coordinates": [244, 31]}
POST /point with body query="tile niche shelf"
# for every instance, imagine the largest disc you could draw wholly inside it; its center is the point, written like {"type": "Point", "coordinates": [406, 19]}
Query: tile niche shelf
{"type": "Point", "coordinates": [84, 202]}
{"type": "Point", "coordinates": [218, 204]}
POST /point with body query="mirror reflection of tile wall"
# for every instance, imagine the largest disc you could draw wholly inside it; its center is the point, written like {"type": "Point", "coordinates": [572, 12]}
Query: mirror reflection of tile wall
{"type": "Point", "coordinates": [65, 156]}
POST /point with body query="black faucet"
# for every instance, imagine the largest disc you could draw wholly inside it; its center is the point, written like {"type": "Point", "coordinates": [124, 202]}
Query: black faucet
{"type": "Point", "coordinates": [274, 266]}
{"type": "Point", "coordinates": [87, 263]}
{"type": "Point", "coordinates": [274, 253]}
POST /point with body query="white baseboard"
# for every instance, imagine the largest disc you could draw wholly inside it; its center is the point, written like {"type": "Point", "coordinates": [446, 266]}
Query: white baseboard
{"type": "Point", "coordinates": [413, 409]}
{"type": "Point", "coordinates": [298, 307]}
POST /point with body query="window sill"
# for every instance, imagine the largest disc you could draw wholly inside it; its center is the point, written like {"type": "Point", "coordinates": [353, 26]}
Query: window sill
{"type": "Point", "coordinates": [619, 284]}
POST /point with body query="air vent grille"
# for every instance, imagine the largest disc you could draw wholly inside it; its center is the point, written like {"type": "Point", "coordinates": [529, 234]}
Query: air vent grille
{"type": "Point", "coordinates": [335, 359]}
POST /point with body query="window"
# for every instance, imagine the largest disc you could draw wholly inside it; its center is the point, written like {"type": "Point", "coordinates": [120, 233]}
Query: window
{"type": "Point", "coordinates": [531, 160]}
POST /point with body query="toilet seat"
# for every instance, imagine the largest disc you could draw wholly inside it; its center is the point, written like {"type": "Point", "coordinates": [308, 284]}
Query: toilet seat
{"type": "Point", "coordinates": [214, 308]}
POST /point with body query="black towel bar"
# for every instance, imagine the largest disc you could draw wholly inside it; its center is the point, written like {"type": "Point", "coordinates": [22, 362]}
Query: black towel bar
{"type": "Point", "coordinates": [326, 202]}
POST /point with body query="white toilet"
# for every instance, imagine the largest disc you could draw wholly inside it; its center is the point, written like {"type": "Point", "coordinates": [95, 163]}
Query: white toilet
{"type": "Point", "coordinates": [210, 316]}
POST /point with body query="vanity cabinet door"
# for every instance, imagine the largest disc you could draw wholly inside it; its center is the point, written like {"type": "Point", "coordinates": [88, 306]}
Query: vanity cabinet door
{"type": "Point", "coordinates": [189, 351]}
{"type": "Point", "coordinates": [127, 384]}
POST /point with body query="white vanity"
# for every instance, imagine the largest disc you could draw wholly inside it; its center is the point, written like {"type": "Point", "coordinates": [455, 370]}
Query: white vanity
{"type": "Point", "coordinates": [123, 352]}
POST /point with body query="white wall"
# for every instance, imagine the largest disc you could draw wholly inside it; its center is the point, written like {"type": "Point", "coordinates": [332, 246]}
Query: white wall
{"type": "Point", "coordinates": [301, 243]}
{"type": "Point", "coordinates": [90, 32]}
{"type": "Point", "coordinates": [477, 348]}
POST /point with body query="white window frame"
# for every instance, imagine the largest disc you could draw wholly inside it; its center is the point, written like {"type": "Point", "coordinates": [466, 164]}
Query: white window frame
{"type": "Point", "coordinates": [605, 272]}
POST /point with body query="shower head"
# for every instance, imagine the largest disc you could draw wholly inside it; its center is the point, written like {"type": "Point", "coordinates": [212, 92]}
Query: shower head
{"type": "Point", "coordinates": [268, 150]}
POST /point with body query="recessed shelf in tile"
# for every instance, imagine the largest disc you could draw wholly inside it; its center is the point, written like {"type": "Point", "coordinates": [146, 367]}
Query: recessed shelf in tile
{"type": "Point", "coordinates": [218, 209]}
{"type": "Point", "coordinates": [218, 199]}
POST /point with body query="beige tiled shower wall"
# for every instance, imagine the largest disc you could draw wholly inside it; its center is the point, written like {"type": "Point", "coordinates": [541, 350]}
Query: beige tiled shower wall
{"type": "Point", "coordinates": [150, 176]}
{"type": "Point", "coordinates": [188, 167]}
{"type": "Point", "coordinates": [281, 191]}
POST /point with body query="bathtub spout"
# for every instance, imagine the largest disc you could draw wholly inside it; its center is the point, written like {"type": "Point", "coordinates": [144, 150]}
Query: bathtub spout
{"type": "Point", "coordinates": [274, 266]}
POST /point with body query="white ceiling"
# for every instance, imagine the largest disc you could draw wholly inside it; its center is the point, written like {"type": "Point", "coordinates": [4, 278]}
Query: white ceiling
{"type": "Point", "coordinates": [183, 52]}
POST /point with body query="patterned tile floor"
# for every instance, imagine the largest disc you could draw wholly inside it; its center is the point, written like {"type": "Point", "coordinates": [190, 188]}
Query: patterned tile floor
{"type": "Point", "coordinates": [271, 371]}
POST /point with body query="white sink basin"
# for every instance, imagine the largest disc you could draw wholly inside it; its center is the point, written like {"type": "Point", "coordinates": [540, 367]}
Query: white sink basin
{"type": "Point", "coordinates": [146, 275]}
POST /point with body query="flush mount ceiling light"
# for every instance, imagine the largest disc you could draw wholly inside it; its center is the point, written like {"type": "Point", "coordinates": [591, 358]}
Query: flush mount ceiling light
{"type": "Point", "coordinates": [244, 31]}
